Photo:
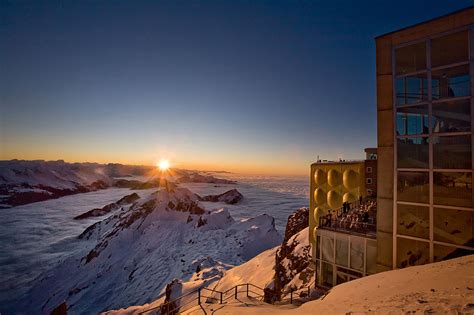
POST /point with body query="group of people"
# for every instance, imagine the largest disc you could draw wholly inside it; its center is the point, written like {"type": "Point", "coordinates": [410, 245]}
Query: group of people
{"type": "Point", "coordinates": [359, 218]}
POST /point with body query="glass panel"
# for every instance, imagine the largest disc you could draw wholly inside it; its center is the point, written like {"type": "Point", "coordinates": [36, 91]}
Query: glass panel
{"type": "Point", "coordinates": [319, 278]}
{"type": "Point", "coordinates": [412, 152]}
{"type": "Point", "coordinates": [452, 189]}
{"type": "Point", "coordinates": [451, 82]}
{"type": "Point", "coordinates": [412, 120]}
{"type": "Point", "coordinates": [453, 116]}
{"type": "Point", "coordinates": [412, 89]}
{"type": "Point", "coordinates": [318, 246]}
{"type": "Point", "coordinates": [413, 186]}
{"type": "Point", "coordinates": [412, 253]}
{"type": "Point", "coordinates": [328, 249]}
{"type": "Point", "coordinates": [357, 254]}
{"type": "Point", "coordinates": [442, 252]}
{"type": "Point", "coordinates": [411, 58]}
{"type": "Point", "coordinates": [449, 49]}
{"type": "Point", "coordinates": [327, 274]}
{"type": "Point", "coordinates": [341, 278]}
{"type": "Point", "coordinates": [342, 251]}
{"type": "Point", "coordinates": [413, 221]}
{"type": "Point", "coordinates": [452, 152]}
{"type": "Point", "coordinates": [371, 256]}
{"type": "Point", "coordinates": [454, 226]}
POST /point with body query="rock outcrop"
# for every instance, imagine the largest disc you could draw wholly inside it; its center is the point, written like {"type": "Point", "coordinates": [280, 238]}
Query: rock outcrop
{"type": "Point", "coordinates": [138, 185]}
{"type": "Point", "coordinates": [108, 208]}
{"type": "Point", "coordinates": [198, 178]}
{"type": "Point", "coordinates": [231, 197]}
{"type": "Point", "coordinates": [292, 258]}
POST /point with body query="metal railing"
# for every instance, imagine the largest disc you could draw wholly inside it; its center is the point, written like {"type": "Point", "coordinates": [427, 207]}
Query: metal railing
{"type": "Point", "coordinates": [197, 297]}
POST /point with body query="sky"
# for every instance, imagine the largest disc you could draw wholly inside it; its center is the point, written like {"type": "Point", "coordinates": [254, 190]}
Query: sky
{"type": "Point", "coordinates": [257, 87]}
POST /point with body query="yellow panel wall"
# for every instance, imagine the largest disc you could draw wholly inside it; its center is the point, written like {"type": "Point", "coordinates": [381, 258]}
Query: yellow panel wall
{"type": "Point", "coordinates": [331, 184]}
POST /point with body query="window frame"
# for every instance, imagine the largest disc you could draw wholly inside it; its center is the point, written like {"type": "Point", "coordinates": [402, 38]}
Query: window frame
{"type": "Point", "coordinates": [430, 169]}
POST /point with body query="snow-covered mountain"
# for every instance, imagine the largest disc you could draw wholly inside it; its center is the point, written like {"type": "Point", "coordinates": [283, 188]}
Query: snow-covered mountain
{"type": "Point", "coordinates": [129, 257]}
{"type": "Point", "coordinates": [23, 182]}
{"type": "Point", "coordinates": [288, 261]}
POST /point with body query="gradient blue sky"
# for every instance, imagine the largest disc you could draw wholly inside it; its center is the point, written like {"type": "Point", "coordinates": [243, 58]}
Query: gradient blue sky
{"type": "Point", "coordinates": [247, 86]}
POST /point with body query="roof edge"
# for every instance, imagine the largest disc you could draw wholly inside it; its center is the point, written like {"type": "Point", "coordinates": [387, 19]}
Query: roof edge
{"type": "Point", "coordinates": [427, 21]}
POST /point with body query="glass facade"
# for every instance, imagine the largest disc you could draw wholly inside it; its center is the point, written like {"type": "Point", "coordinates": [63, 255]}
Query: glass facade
{"type": "Point", "coordinates": [434, 159]}
{"type": "Point", "coordinates": [343, 257]}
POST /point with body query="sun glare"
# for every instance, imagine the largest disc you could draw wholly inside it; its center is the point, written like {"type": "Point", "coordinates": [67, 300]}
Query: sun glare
{"type": "Point", "coordinates": [163, 165]}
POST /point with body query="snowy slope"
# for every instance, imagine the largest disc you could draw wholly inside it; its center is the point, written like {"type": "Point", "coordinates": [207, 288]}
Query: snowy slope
{"type": "Point", "coordinates": [56, 174]}
{"type": "Point", "coordinates": [259, 271]}
{"type": "Point", "coordinates": [134, 253]}
{"type": "Point", "coordinates": [441, 288]}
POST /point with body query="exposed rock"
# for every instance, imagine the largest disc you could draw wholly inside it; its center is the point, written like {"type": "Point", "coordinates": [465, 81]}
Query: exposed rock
{"type": "Point", "coordinates": [108, 208]}
{"type": "Point", "coordinates": [232, 196]}
{"type": "Point", "coordinates": [16, 195]}
{"type": "Point", "coordinates": [61, 309]}
{"type": "Point", "coordinates": [128, 199]}
{"type": "Point", "coordinates": [293, 257]}
{"type": "Point", "coordinates": [138, 185]}
{"type": "Point", "coordinates": [198, 178]}
{"type": "Point", "coordinates": [201, 222]}
{"type": "Point", "coordinates": [297, 221]}
{"type": "Point", "coordinates": [173, 290]}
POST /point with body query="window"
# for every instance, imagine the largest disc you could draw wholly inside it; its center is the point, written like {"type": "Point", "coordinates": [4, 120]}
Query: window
{"type": "Point", "coordinates": [434, 149]}
{"type": "Point", "coordinates": [413, 152]}
{"type": "Point", "coordinates": [411, 89]}
{"type": "Point", "coordinates": [411, 58]}
{"type": "Point", "coordinates": [357, 254]}
{"type": "Point", "coordinates": [454, 226]}
{"type": "Point", "coordinates": [413, 186]}
{"type": "Point", "coordinates": [449, 49]}
{"type": "Point", "coordinates": [451, 82]}
{"type": "Point", "coordinates": [413, 221]}
{"type": "Point", "coordinates": [452, 189]}
{"type": "Point", "coordinates": [412, 253]}
{"type": "Point", "coordinates": [369, 192]}
{"type": "Point", "coordinates": [369, 169]}
{"type": "Point", "coordinates": [327, 274]}
{"type": "Point", "coordinates": [442, 252]}
{"type": "Point", "coordinates": [371, 257]}
{"type": "Point", "coordinates": [412, 120]}
{"type": "Point", "coordinates": [328, 249]}
{"type": "Point", "coordinates": [452, 152]}
{"type": "Point", "coordinates": [452, 116]}
{"type": "Point", "coordinates": [342, 251]}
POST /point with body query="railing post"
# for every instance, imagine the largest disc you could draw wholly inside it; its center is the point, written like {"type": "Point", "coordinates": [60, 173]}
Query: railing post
{"type": "Point", "coordinates": [235, 294]}
{"type": "Point", "coordinates": [199, 296]}
{"type": "Point", "coordinates": [309, 291]}
{"type": "Point", "coordinates": [221, 298]}
{"type": "Point", "coordinates": [247, 290]}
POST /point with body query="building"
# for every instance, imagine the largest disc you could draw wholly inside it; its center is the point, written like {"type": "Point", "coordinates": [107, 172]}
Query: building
{"type": "Point", "coordinates": [425, 103]}
{"type": "Point", "coordinates": [343, 248]}
{"type": "Point", "coordinates": [421, 172]}
{"type": "Point", "coordinates": [371, 172]}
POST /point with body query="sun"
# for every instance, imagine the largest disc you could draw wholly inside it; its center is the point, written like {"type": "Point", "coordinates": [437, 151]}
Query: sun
{"type": "Point", "coordinates": [163, 165]}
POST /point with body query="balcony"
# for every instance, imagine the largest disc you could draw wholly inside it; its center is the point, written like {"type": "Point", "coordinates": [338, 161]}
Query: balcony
{"type": "Point", "coordinates": [357, 219]}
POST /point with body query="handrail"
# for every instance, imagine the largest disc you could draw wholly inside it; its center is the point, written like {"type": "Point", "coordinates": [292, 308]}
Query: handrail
{"type": "Point", "coordinates": [179, 308]}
